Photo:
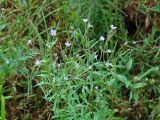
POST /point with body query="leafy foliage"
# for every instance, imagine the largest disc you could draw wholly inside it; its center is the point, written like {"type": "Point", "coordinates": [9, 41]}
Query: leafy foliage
{"type": "Point", "coordinates": [73, 73]}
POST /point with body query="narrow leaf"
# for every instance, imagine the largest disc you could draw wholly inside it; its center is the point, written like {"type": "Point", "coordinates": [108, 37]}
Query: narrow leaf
{"type": "Point", "coordinates": [139, 85]}
{"type": "Point", "coordinates": [124, 79]}
{"type": "Point", "coordinates": [2, 108]}
{"type": "Point", "coordinates": [129, 64]}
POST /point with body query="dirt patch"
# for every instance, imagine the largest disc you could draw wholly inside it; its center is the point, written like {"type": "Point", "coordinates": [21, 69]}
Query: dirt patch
{"type": "Point", "coordinates": [140, 17]}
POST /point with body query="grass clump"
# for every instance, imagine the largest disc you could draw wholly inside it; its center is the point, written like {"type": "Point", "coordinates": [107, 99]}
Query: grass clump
{"type": "Point", "coordinates": [79, 60]}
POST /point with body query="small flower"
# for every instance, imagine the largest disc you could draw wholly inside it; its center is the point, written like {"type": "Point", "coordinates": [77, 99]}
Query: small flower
{"type": "Point", "coordinates": [38, 62]}
{"type": "Point", "coordinates": [66, 78]}
{"type": "Point", "coordinates": [116, 110]}
{"type": "Point", "coordinates": [90, 67]}
{"type": "Point", "coordinates": [108, 64]}
{"type": "Point", "coordinates": [113, 27]}
{"type": "Point", "coordinates": [67, 44]}
{"type": "Point", "coordinates": [109, 51]}
{"type": "Point", "coordinates": [53, 32]}
{"type": "Point", "coordinates": [96, 88]}
{"type": "Point", "coordinates": [125, 43]}
{"type": "Point", "coordinates": [96, 56]}
{"type": "Point", "coordinates": [134, 42]}
{"type": "Point", "coordinates": [29, 42]}
{"type": "Point", "coordinates": [102, 38]}
{"type": "Point", "coordinates": [7, 61]}
{"type": "Point", "coordinates": [85, 20]}
{"type": "Point", "coordinates": [90, 25]}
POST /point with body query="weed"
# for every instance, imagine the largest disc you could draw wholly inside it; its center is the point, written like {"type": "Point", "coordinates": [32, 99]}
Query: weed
{"type": "Point", "coordinates": [80, 59]}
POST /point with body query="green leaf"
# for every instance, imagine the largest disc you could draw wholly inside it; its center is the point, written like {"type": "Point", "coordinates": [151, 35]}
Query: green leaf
{"type": "Point", "coordinates": [23, 3]}
{"type": "Point", "coordinates": [1, 1]}
{"type": "Point", "coordinates": [139, 85]}
{"type": "Point", "coordinates": [2, 108]}
{"type": "Point", "coordinates": [124, 79]}
{"type": "Point", "coordinates": [157, 109]}
{"type": "Point", "coordinates": [155, 8]}
{"type": "Point", "coordinates": [2, 26]}
{"type": "Point", "coordinates": [154, 69]}
{"type": "Point", "coordinates": [1, 90]}
{"type": "Point", "coordinates": [129, 64]}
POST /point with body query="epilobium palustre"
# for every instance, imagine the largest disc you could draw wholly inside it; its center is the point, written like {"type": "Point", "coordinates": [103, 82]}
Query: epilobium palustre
{"type": "Point", "coordinates": [108, 64]}
{"type": "Point", "coordinates": [109, 51]}
{"type": "Point", "coordinates": [67, 44]}
{"type": "Point", "coordinates": [102, 38]}
{"type": "Point", "coordinates": [113, 27]}
{"type": "Point", "coordinates": [125, 43]}
{"type": "Point", "coordinates": [90, 25]}
{"type": "Point", "coordinates": [29, 42]}
{"type": "Point", "coordinates": [53, 32]}
{"type": "Point", "coordinates": [38, 62]}
{"type": "Point", "coordinates": [96, 88]}
{"type": "Point", "coordinates": [85, 20]}
{"type": "Point", "coordinates": [134, 42]}
{"type": "Point", "coordinates": [66, 78]}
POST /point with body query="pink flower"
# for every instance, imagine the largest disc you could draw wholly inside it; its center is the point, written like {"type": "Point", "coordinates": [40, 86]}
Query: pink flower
{"type": "Point", "coordinates": [53, 32]}
{"type": "Point", "coordinates": [113, 27]}
{"type": "Point", "coordinates": [108, 64]}
{"type": "Point", "coordinates": [67, 44]}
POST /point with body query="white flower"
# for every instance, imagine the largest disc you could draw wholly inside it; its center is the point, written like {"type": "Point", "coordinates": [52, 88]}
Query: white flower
{"type": "Point", "coordinates": [96, 56]}
{"type": "Point", "coordinates": [96, 88]}
{"type": "Point", "coordinates": [85, 20]}
{"type": "Point", "coordinates": [109, 51]}
{"type": "Point", "coordinates": [125, 43]}
{"type": "Point", "coordinates": [90, 67]}
{"type": "Point", "coordinates": [90, 25]}
{"type": "Point", "coordinates": [134, 42]}
{"type": "Point", "coordinates": [102, 38]}
{"type": "Point", "coordinates": [38, 62]}
{"type": "Point", "coordinates": [67, 44]}
{"type": "Point", "coordinates": [113, 27]}
{"type": "Point", "coordinates": [116, 110]}
{"type": "Point", "coordinates": [7, 61]}
{"type": "Point", "coordinates": [66, 78]}
{"type": "Point", "coordinates": [108, 64]}
{"type": "Point", "coordinates": [29, 42]}
{"type": "Point", "coordinates": [53, 32]}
